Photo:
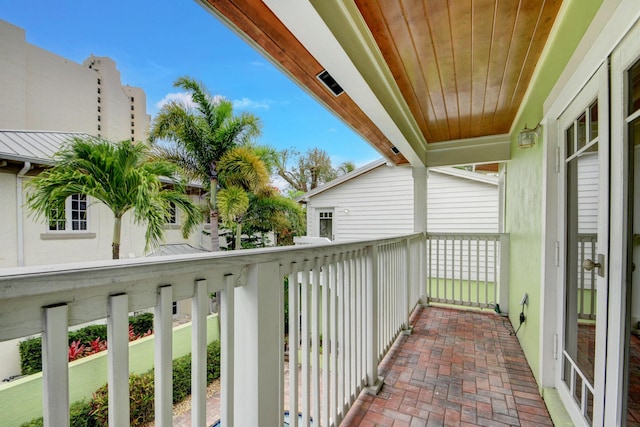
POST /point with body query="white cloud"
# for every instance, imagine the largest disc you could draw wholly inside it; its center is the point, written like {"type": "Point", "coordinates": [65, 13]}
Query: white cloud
{"type": "Point", "coordinates": [239, 104]}
{"type": "Point", "coordinates": [249, 104]}
{"type": "Point", "coordinates": [181, 97]}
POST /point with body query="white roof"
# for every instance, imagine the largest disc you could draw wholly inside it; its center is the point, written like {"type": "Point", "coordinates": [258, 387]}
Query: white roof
{"type": "Point", "coordinates": [461, 173]}
{"type": "Point", "coordinates": [34, 146]}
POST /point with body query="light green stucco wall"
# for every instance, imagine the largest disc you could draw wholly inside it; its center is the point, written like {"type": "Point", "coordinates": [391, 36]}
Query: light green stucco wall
{"type": "Point", "coordinates": [21, 400]}
{"type": "Point", "coordinates": [524, 185]}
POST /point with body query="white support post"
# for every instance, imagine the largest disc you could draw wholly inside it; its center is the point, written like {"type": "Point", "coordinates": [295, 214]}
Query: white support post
{"type": "Point", "coordinates": [258, 344]}
{"type": "Point", "coordinates": [55, 369]}
{"type": "Point", "coordinates": [118, 359]}
{"type": "Point", "coordinates": [374, 382]}
{"type": "Point", "coordinates": [503, 274]}
{"type": "Point", "coordinates": [420, 178]}
{"type": "Point", "coordinates": [199, 311]}
{"type": "Point", "coordinates": [163, 378]}
{"type": "Point", "coordinates": [227, 354]}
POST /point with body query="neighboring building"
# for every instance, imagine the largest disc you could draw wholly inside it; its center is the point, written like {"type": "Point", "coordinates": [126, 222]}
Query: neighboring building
{"type": "Point", "coordinates": [44, 91]}
{"type": "Point", "coordinates": [85, 235]}
{"type": "Point", "coordinates": [376, 201]}
{"type": "Point", "coordinates": [27, 241]}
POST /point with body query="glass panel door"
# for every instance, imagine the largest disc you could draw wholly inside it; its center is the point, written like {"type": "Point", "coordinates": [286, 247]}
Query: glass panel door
{"type": "Point", "coordinates": [584, 155]}
{"type": "Point", "coordinates": [582, 175]}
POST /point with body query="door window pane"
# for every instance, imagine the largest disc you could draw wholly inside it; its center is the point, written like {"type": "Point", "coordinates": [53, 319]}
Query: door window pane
{"type": "Point", "coordinates": [326, 225]}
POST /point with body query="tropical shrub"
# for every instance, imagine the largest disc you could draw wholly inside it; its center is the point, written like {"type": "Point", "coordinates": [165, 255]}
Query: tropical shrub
{"type": "Point", "coordinates": [95, 413]}
{"type": "Point", "coordinates": [83, 342]}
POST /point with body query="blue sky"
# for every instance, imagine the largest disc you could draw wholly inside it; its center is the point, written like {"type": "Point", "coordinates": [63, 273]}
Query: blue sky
{"type": "Point", "coordinates": [154, 42]}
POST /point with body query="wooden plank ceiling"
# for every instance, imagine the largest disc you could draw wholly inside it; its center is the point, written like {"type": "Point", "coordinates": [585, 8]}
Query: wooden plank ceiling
{"type": "Point", "coordinates": [462, 66]}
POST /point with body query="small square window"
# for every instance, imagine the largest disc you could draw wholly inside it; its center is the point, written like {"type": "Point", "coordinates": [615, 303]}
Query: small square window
{"type": "Point", "coordinates": [132, 132]}
{"type": "Point", "coordinates": [132, 117]}
{"type": "Point", "coordinates": [132, 124]}
{"type": "Point", "coordinates": [99, 109]}
{"type": "Point", "coordinates": [99, 81]}
{"type": "Point", "coordinates": [98, 90]}
{"type": "Point", "coordinates": [132, 108]}
{"type": "Point", "coordinates": [98, 118]}
{"type": "Point", "coordinates": [172, 216]}
{"type": "Point", "coordinates": [132, 100]}
{"type": "Point", "coordinates": [132, 139]}
{"type": "Point", "coordinates": [99, 128]}
{"type": "Point", "coordinates": [98, 100]}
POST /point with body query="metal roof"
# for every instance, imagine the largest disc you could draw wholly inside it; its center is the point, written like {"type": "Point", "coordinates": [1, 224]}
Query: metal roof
{"type": "Point", "coordinates": [34, 146]}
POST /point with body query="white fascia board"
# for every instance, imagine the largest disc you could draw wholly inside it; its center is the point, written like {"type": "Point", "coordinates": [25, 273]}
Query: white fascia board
{"type": "Point", "coordinates": [485, 149]}
{"type": "Point", "coordinates": [344, 178]}
{"type": "Point", "coordinates": [304, 22]}
{"type": "Point", "coordinates": [461, 173]}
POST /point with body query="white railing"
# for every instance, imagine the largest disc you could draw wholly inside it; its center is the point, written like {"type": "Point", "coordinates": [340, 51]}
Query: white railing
{"type": "Point", "coordinates": [468, 269]}
{"type": "Point", "coordinates": [347, 304]}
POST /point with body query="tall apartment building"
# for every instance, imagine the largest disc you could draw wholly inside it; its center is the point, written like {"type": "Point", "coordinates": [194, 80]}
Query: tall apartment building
{"type": "Point", "coordinates": [40, 90]}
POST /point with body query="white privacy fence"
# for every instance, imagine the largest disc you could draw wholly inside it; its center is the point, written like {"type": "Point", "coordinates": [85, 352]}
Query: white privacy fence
{"type": "Point", "coordinates": [468, 269]}
{"type": "Point", "coordinates": [347, 304]}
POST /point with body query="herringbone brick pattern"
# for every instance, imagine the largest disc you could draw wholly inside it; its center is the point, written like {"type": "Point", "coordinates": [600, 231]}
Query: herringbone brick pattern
{"type": "Point", "coordinates": [458, 368]}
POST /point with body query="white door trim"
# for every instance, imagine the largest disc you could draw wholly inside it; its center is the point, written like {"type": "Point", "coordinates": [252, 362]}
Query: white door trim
{"type": "Point", "coordinates": [625, 55]}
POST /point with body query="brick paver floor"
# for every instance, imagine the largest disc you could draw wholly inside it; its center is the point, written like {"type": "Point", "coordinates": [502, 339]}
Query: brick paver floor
{"type": "Point", "coordinates": [458, 368]}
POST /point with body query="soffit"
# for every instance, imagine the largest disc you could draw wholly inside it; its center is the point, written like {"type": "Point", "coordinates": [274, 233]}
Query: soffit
{"type": "Point", "coordinates": [443, 71]}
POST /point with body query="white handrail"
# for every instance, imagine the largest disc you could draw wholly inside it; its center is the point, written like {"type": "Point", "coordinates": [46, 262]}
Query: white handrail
{"type": "Point", "coordinates": [347, 304]}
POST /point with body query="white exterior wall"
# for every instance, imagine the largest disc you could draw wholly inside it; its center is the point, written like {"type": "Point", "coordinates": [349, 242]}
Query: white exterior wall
{"type": "Point", "coordinates": [44, 91]}
{"type": "Point", "coordinates": [42, 246]}
{"type": "Point", "coordinates": [461, 205]}
{"type": "Point", "coordinates": [379, 203]}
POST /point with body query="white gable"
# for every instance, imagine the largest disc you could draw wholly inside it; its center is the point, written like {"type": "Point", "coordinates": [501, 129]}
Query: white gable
{"type": "Point", "coordinates": [379, 203]}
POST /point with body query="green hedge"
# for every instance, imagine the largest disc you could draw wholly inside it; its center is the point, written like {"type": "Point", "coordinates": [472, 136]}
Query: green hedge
{"type": "Point", "coordinates": [31, 349]}
{"type": "Point", "coordinates": [141, 394]}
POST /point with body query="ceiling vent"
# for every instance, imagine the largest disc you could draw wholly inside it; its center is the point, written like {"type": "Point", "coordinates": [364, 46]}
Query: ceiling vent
{"type": "Point", "coordinates": [330, 83]}
{"type": "Point", "coordinates": [395, 150]}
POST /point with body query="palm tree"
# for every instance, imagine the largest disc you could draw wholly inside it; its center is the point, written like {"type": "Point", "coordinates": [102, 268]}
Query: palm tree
{"type": "Point", "coordinates": [201, 136]}
{"type": "Point", "coordinates": [123, 177]}
{"type": "Point", "coordinates": [241, 172]}
{"type": "Point", "coordinates": [270, 211]}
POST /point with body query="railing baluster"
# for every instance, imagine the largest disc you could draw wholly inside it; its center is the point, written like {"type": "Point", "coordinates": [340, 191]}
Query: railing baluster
{"type": "Point", "coordinates": [315, 340]}
{"type": "Point", "coordinates": [163, 338]}
{"type": "Point", "coordinates": [327, 341]}
{"type": "Point", "coordinates": [199, 311]}
{"type": "Point", "coordinates": [304, 336]}
{"type": "Point", "coordinates": [227, 350]}
{"type": "Point", "coordinates": [486, 271]}
{"type": "Point", "coordinates": [118, 359]}
{"type": "Point", "coordinates": [353, 329]}
{"type": "Point", "coordinates": [342, 347]}
{"type": "Point", "coordinates": [495, 270]}
{"type": "Point", "coordinates": [294, 339]}
{"type": "Point", "coordinates": [55, 371]}
{"type": "Point", "coordinates": [359, 322]}
{"type": "Point", "coordinates": [334, 402]}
